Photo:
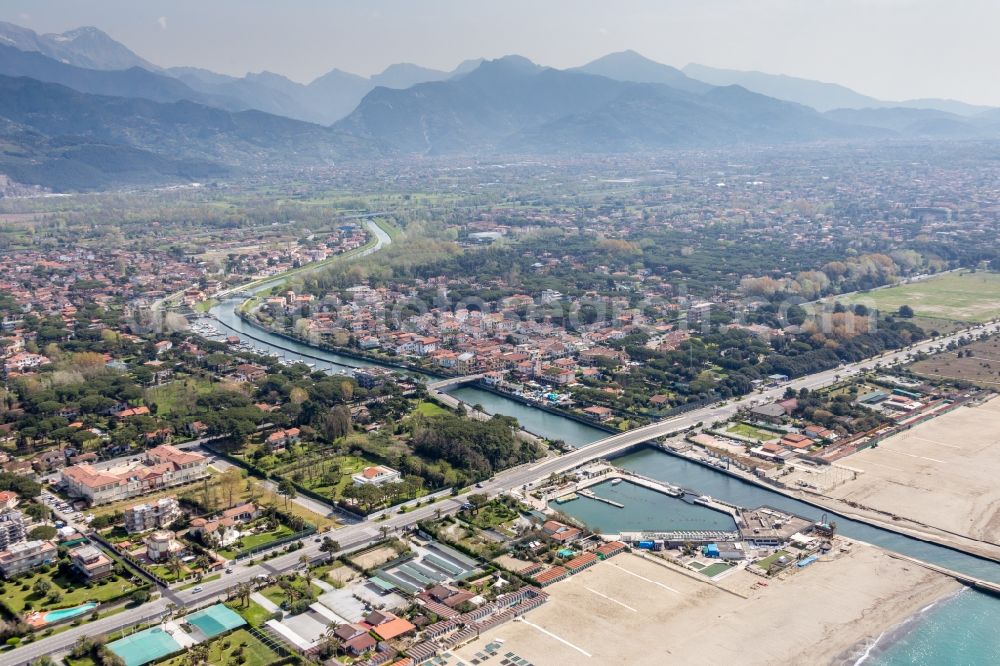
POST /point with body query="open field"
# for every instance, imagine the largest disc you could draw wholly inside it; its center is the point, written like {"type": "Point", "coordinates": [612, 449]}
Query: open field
{"type": "Point", "coordinates": [982, 368]}
{"type": "Point", "coordinates": [965, 297]}
{"type": "Point", "coordinates": [369, 559]}
{"type": "Point", "coordinates": [942, 473]}
{"type": "Point", "coordinates": [632, 610]}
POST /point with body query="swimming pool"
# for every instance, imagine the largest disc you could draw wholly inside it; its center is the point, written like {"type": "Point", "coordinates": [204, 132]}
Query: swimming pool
{"type": "Point", "coordinates": [65, 613]}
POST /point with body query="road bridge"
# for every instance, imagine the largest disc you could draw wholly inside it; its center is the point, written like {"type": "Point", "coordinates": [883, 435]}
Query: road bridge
{"type": "Point", "coordinates": [441, 385]}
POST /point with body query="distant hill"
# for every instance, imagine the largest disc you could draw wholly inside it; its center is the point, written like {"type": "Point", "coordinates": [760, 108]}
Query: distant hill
{"type": "Point", "coordinates": [83, 47]}
{"type": "Point", "coordinates": [61, 131]}
{"type": "Point", "coordinates": [631, 66]}
{"type": "Point", "coordinates": [920, 123]}
{"type": "Point", "coordinates": [325, 100]}
{"type": "Point", "coordinates": [132, 82]}
{"type": "Point", "coordinates": [817, 94]}
{"type": "Point", "coordinates": [511, 104]}
{"type": "Point", "coordinates": [405, 74]}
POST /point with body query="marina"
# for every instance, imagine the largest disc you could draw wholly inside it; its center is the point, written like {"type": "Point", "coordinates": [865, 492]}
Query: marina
{"type": "Point", "coordinates": [653, 513]}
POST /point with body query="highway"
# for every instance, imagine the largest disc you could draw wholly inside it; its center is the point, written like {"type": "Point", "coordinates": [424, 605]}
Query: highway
{"type": "Point", "coordinates": [517, 478]}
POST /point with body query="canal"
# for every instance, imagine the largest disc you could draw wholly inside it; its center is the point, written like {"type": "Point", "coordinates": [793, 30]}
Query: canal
{"type": "Point", "coordinates": [650, 462]}
{"type": "Point", "coordinates": [975, 612]}
{"type": "Point", "coordinates": [537, 421]}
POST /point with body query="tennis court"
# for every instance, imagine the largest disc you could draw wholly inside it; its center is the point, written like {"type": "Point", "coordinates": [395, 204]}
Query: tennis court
{"type": "Point", "coordinates": [215, 620]}
{"type": "Point", "coordinates": [145, 646]}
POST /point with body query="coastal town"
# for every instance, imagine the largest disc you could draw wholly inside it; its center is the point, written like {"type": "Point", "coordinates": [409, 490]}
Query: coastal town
{"type": "Point", "coordinates": [504, 435]}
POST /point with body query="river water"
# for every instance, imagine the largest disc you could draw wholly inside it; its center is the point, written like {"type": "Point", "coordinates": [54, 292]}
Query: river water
{"type": "Point", "coordinates": [961, 630]}
{"type": "Point", "coordinates": [537, 421]}
{"type": "Point", "coordinates": [964, 629]}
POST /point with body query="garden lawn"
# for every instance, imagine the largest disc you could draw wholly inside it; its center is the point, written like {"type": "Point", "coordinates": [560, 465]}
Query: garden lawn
{"type": "Point", "coordinates": [766, 563]}
{"type": "Point", "coordinates": [73, 594]}
{"type": "Point", "coordinates": [254, 540]}
{"type": "Point", "coordinates": [493, 515]}
{"type": "Point", "coordinates": [255, 614]}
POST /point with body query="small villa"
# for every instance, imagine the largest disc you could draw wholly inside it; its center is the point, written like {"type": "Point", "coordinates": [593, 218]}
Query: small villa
{"type": "Point", "coordinates": [376, 476]}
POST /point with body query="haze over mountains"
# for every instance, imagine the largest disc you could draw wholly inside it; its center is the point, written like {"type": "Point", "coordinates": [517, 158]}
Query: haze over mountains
{"type": "Point", "coordinates": [81, 111]}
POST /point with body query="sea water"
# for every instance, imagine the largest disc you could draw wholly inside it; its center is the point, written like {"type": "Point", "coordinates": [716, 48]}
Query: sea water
{"type": "Point", "coordinates": [961, 630]}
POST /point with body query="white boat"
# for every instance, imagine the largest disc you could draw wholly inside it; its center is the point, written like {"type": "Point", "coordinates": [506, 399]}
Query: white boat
{"type": "Point", "coordinates": [615, 482]}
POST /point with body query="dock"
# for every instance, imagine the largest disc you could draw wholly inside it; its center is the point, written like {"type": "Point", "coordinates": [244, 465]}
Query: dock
{"type": "Point", "coordinates": [590, 495]}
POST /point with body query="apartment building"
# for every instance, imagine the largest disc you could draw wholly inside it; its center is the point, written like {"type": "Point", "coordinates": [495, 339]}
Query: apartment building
{"type": "Point", "coordinates": [25, 556]}
{"type": "Point", "coordinates": [152, 515]}
{"type": "Point", "coordinates": [165, 466]}
{"type": "Point", "coordinates": [91, 562]}
{"type": "Point", "coordinates": [11, 529]}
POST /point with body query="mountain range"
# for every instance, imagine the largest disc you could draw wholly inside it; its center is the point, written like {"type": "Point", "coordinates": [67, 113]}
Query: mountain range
{"type": "Point", "coordinates": [817, 94]}
{"type": "Point", "coordinates": [81, 111]}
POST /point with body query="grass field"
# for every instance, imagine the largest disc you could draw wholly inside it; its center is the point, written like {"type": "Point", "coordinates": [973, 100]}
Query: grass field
{"type": "Point", "coordinates": [255, 614]}
{"type": "Point", "coordinates": [177, 397]}
{"type": "Point", "coordinates": [345, 465]}
{"type": "Point", "coordinates": [966, 297]}
{"type": "Point", "coordinates": [430, 409]}
{"type": "Point", "coordinates": [744, 430]}
{"type": "Point", "coordinates": [715, 569]}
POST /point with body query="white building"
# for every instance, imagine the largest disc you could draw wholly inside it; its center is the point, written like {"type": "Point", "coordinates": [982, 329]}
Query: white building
{"type": "Point", "coordinates": [151, 515]}
{"type": "Point", "coordinates": [11, 529]}
{"type": "Point", "coordinates": [376, 476]}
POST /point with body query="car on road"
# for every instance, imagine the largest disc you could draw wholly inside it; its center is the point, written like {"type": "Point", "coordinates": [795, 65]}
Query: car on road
{"type": "Point", "coordinates": [197, 589]}
{"type": "Point", "coordinates": [229, 570]}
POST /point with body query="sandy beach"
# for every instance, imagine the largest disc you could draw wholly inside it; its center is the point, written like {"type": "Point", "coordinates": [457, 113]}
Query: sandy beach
{"type": "Point", "coordinates": [941, 474]}
{"type": "Point", "coordinates": [633, 610]}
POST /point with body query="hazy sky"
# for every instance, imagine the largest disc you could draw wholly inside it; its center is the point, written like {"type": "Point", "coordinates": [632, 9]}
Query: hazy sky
{"type": "Point", "coordinates": [892, 49]}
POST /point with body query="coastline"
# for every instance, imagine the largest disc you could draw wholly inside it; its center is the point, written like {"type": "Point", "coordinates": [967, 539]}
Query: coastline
{"type": "Point", "coordinates": [817, 615]}
{"type": "Point", "coordinates": [868, 649]}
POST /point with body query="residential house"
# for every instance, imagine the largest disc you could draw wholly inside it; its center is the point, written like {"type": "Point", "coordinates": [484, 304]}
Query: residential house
{"type": "Point", "coordinates": [376, 475]}
{"type": "Point", "coordinates": [771, 412]}
{"type": "Point", "coordinates": [354, 638]}
{"type": "Point", "coordinates": [282, 438]}
{"type": "Point", "coordinates": [91, 563]}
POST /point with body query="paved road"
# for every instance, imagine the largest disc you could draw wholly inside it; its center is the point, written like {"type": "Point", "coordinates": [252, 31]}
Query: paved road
{"type": "Point", "coordinates": [513, 479]}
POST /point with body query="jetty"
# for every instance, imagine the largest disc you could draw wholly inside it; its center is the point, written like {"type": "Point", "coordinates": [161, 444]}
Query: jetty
{"type": "Point", "coordinates": [589, 494]}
